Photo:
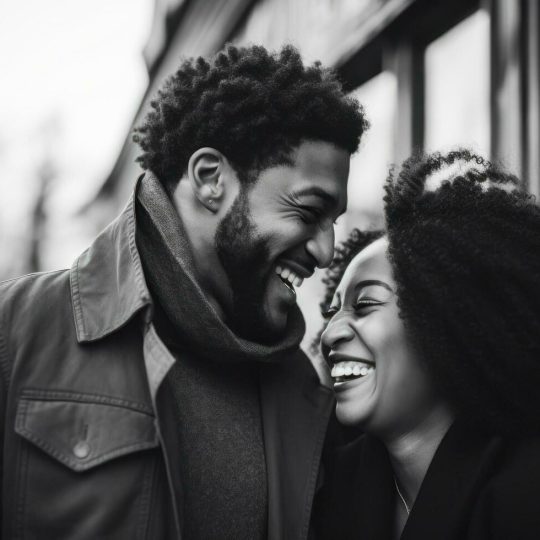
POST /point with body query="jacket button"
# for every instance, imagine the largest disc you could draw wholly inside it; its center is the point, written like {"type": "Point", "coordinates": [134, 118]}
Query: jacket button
{"type": "Point", "coordinates": [81, 450]}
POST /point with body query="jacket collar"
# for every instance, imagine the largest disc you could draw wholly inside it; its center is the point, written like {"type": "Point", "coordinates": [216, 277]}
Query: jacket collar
{"type": "Point", "coordinates": [107, 281]}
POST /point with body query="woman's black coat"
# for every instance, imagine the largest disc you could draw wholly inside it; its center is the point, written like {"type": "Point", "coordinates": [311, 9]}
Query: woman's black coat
{"type": "Point", "coordinates": [477, 487]}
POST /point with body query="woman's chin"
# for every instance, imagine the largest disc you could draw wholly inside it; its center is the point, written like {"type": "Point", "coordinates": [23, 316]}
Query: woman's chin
{"type": "Point", "coordinates": [350, 417]}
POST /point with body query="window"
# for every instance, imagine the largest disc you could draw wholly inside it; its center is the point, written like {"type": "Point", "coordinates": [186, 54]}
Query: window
{"type": "Point", "coordinates": [457, 86]}
{"type": "Point", "coordinates": [369, 166]}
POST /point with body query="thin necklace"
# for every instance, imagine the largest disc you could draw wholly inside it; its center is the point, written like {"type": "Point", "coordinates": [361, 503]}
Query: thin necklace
{"type": "Point", "coordinates": [407, 509]}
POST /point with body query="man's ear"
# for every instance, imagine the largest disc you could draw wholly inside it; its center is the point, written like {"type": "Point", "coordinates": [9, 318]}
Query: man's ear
{"type": "Point", "coordinates": [205, 171]}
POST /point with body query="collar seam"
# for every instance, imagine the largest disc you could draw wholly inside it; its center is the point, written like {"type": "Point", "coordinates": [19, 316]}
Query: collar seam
{"type": "Point", "coordinates": [135, 258]}
{"type": "Point", "coordinates": [77, 302]}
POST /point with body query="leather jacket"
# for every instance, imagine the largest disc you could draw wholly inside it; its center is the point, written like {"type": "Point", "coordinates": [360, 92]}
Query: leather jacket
{"type": "Point", "coordinates": [88, 436]}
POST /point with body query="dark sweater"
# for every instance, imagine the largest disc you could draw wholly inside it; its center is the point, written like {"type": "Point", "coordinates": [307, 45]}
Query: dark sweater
{"type": "Point", "coordinates": [220, 446]}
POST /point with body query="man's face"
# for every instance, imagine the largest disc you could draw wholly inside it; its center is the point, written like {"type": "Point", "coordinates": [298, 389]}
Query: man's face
{"type": "Point", "coordinates": [277, 232]}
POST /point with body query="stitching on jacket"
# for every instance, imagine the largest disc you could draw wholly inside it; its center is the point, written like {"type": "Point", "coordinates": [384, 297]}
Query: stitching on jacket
{"type": "Point", "coordinates": [88, 464]}
{"type": "Point", "coordinates": [35, 394]}
{"type": "Point", "coordinates": [20, 424]}
{"type": "Point", "coordinates": [76, 299]}
{"type": "Point", "coordinates": [21, 484]}
{"type": "Point", "coordinates": [32, 274]}
{"type": "Point", "coordinates": [139, 275]}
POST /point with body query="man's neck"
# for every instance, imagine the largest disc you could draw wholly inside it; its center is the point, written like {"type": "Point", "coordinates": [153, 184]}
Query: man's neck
{"type": "Point", "coordinates": [412, 451]}
{"type": "Point", "coordinates": [208, 268]}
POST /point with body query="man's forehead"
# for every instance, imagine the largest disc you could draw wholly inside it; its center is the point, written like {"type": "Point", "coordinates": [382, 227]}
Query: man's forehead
{"type": "Point", "coordinates": [318, 173]}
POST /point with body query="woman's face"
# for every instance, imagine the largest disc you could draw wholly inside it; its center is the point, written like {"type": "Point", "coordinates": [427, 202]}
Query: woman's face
{"type": "Point", "coordinates": [378, 382]}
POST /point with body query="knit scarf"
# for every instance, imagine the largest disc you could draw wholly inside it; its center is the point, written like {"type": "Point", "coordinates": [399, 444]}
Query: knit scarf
{"type": "Point", "coordinates": [170, 271]}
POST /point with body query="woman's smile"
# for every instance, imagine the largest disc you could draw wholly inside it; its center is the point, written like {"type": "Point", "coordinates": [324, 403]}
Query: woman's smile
{"type": "Point", "coordinates": [347, 368]}
{"type": "Point", "coordinates": [354, 381]}
{"type": "Point", "coordinates": [378, 381]}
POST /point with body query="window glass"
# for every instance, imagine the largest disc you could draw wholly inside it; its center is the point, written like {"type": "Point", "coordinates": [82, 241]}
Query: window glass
{"type": "Point", "coordinates": [457, 87]}
{"type": "Point", "coordinates": [369, 166]}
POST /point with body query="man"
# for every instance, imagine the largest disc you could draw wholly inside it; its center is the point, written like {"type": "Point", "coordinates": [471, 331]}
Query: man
{"type": "Point", "coordinates": [156, 389]}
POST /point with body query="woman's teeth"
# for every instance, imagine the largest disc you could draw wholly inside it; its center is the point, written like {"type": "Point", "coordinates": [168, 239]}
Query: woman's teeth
{"type": "Point", "coordinates": [286, 274]}
{"type": "Point", "coordinates": [343, 371]}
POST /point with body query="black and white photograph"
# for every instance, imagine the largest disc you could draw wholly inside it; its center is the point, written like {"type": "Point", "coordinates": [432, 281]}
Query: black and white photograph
{"type": "Point", "coordinates": [270, 270]}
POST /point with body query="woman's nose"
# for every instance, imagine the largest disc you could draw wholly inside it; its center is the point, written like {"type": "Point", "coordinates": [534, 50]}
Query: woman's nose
{"type": "Point", "coordinates": [335, 332]}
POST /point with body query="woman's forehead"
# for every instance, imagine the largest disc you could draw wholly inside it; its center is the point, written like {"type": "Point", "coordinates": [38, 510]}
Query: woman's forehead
{"type": "Point", "coordinates": [371, 263]}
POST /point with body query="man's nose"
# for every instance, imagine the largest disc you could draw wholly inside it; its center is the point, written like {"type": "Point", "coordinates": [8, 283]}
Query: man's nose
{"type": "Point", "coordinates": [335, 332]}
{"type": "Point", "coordinates": [321, 246]}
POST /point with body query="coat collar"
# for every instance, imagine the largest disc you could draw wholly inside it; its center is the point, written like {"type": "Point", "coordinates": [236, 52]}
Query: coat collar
{"type": "Point", "coordinates": [459, 469]}
{"type": "Point", "coordinates": [107, 280]}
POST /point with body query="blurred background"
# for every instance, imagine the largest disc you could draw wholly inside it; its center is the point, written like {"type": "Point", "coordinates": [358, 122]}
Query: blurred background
{"type": "Point", "coordinates": [77, 75]}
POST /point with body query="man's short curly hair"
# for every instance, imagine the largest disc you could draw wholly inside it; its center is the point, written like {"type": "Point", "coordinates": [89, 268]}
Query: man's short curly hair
{"type": "Point", "coordinates": [253, 106]}
{"type": "Point", "coordinates": [464, 245]}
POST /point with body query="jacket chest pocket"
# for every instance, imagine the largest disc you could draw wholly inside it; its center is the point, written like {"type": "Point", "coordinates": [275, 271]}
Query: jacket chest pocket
{"type": "Point", "coordinates": [86, 467]}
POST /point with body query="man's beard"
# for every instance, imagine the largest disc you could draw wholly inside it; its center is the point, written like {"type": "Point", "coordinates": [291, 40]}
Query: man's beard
{"type": "Point", "coordinates": [245, 258]}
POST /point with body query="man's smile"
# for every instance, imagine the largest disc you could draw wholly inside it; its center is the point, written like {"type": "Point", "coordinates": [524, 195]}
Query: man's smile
{"type": "Point", "coordinates": [289, 276]}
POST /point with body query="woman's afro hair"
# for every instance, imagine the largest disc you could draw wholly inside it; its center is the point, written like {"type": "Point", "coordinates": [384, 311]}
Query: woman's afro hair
{"type": "Point", "coordinates": [464, 244]}
{"type": "Point", "coordinates": [252, 105]}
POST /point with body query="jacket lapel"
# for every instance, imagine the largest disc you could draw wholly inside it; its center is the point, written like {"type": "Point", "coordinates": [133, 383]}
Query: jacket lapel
{"type": "Point", "coordinates": [107, 280]}
{"type": "Point", "coordinates": [374, 489]}
{"type": "Point", "coordinates": [459, 468]}
{"type": "Point", "coordinates": [295, 413]}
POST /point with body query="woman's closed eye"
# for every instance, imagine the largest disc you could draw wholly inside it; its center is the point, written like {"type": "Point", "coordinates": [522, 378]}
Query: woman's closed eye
{"type": "Point", "coordinates": [359, 307]}
{"type": "Point", "coordinates": [362, 304]}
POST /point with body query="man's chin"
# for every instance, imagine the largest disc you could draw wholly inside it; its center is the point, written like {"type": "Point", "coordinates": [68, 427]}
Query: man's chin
{"type": "Point", "coordinates": [276, 317]}
{"type": "Point", "coordinates": [276, 326]}
{"type": "Point", "coordinates": [265, 320]}
{"type": "Point", "coordinates": [268, 326]}
{"type": "Point", "coordinates": [259, 333]}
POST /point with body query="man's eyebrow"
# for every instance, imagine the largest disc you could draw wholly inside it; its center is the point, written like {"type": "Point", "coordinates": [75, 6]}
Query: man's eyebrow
{"type": "Point", "coordinates": [314, 191]}
{"type": "Point", "coordinates": [368, 282]}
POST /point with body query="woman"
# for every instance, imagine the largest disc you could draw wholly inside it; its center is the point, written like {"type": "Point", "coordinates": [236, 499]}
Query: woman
{"type": "Point", "coordinates": [433, 340]}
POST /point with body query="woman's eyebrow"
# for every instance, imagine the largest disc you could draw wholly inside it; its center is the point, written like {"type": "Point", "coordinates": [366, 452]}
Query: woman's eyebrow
{"type": "Point", "coordinates": [369, 282]}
